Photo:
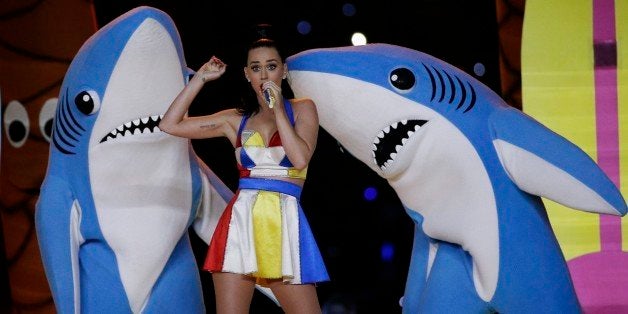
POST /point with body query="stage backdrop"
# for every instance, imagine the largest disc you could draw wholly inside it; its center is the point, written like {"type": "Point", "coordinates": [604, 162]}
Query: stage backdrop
{"type": "Point", "coordinates": [575, 81]}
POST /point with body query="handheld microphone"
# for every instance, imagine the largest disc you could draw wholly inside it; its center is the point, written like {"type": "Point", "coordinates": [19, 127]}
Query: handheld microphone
{"type": "Point", "coordinates": [269, 96]}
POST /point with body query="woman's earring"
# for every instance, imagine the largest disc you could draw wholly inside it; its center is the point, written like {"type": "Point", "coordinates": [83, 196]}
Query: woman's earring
{"type": "Point", "coordinates": [248, 80]}
{"type": "Point", "coordinates": [284, 76]}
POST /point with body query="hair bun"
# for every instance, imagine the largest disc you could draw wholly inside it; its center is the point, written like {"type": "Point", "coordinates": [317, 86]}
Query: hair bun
{"type": "Point", "coordinates": [263, 31]}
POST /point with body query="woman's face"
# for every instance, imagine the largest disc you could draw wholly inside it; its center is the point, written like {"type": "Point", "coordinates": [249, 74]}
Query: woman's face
{"type": "Point", "coordinates": [264, 64]}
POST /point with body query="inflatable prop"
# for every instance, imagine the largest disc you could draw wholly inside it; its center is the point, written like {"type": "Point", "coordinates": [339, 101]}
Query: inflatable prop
{"type": "Point", "coordinates": [469, 169]}
{"type": "Point", "coordinates": [575, 81]}
{"type": "Point", "coordinates": [119, 194]}
{"type": "Point", "coordinates": [38, 40]}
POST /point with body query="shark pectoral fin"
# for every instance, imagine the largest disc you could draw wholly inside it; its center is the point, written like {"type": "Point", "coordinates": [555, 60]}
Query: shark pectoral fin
{"type": "Point", "coordinates": [76, 239]}
{"type": "Point", "coordinates": [423, 252]}
{"type": "Point", "coordinates": [57, 221]}
{"type": "Point", "coordinates": [543, 163]}
{"type": "Point", "coordinates": [216, 196]}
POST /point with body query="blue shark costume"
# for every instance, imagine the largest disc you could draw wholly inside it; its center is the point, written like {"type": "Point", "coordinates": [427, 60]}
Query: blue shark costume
{"type": "Point", "coordinates": [119, 194]}
{"type": "Point", "coordinates": [469, 169]}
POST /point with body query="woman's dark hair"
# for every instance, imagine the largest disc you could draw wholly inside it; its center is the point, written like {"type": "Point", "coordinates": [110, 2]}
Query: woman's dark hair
{"type": "Point", "coordinates": [262, 37]}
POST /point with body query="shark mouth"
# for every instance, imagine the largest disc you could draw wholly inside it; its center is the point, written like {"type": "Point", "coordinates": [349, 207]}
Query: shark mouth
{"type": "Point", "coordinates": [137, 126]}
{"type": "Point", "coordinates": [390, 141]}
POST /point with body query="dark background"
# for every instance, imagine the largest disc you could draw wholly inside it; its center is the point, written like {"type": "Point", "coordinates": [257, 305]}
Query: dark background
{"type": "Point", "coordinates": [366, 244]}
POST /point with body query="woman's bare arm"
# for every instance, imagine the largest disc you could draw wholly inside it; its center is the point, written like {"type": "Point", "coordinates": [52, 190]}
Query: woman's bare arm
{"type": "Point", "coordinates": [176, 121]}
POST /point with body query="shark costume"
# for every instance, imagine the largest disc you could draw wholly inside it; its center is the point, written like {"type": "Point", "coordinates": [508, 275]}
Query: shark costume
{"type": "Point", "coordinates": [469, 169]}
{"type": "Point", "coordinates": [264, 232]}
{"type": "Point", "coordinates": [119, 194]}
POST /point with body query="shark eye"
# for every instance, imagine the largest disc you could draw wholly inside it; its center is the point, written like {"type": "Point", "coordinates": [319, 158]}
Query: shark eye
{"type": "Point", "coordinates": [16, 123]}
{"type": "Point", "coordinates": [402, 79]}
{"type": "Point", "coordinates": [46, 117]}
{"type": "Point", "coordinates": [87, 102]}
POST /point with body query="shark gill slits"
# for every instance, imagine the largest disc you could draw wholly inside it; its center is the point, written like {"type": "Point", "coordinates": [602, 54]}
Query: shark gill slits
{"type": "Point", "coordinates": [66, 129]}
{"type": "Point", "coordinates": [464, 93]}
{"type": "Point", "coordinates": [67, 123]}
{"type": "Point", "coordinates": [389, 141]}
{"type": "Point", "coordinates": [445, 83]}
{"type": "Point", "coordinates": [432, 81]}
{"type": "Point", "coordinates": [451, 87]}
{"type": "Point", "coordinates": [60, 142]}
{"type": "Point", "coordinates": [63, 127]}
{"type": "Point", "coordinates": [402, 78]}
{"type": "Point", "coordinates": [87, 102]}
{"type": "Point", "coordinates": [442, 85]}
{"type": "Point", "coordinates": [473, 97]}
{"type": "Point", "coordinates": [137, 126]}
{"type": "Point", "coordinates": [73, 119]}
{"type": "Point", "coordinates": [60, 129]}
{"type": "Point", "coordinates": [60, 148]}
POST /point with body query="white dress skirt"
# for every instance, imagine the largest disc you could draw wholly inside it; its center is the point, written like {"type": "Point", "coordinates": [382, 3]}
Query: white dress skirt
{"type": "Point", "coordinates": [265, 234]}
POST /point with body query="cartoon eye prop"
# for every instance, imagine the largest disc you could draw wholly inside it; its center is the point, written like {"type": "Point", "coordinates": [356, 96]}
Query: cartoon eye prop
{"type": "Point", "coordinates": [46, 118]}
{"type": "Point", "coordinates": [16, 123]}
{"type": "Point", "coordinates": [87, 102]}
{"type": "Point", "coordinates": [402, 78]}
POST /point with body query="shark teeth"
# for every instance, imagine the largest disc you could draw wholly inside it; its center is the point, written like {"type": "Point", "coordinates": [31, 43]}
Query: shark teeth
{"type": "Point", "coordinates": [138, 126]}
{"type": "Point", "coordinates": [390, 141]}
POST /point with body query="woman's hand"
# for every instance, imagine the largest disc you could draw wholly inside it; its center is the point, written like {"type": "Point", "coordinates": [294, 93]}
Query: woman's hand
{"type": "Point", "coordinates": [274, 91]}
{"type": "Point", "coordinates": [211, 70]}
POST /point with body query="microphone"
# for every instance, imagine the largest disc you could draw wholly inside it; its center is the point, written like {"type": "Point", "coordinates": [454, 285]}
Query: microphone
{"type": "Point", "coordinates": [269, 96]}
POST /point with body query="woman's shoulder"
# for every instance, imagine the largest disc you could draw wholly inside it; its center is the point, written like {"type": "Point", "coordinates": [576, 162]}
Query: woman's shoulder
{"type": "Point", "coordinates": [302, 101]}
{"type": "Point", "coordinates": [303, 104]}
{"type": "Point", "coordinates": [304, 107]}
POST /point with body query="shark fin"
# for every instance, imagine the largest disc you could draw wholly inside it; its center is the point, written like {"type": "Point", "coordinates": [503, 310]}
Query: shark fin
{"type": "Point", "coordinates": [541, 162]}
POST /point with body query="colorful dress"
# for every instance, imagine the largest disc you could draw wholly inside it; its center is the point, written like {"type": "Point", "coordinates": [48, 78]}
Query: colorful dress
{"type": "Point", "coordinates": [263, 231]}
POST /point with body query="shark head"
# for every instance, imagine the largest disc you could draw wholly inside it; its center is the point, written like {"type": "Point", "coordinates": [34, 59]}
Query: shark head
{"type": "Point", "coordinates": [105, 98]}
{"type": "Point", "coordinates": [363, 82]}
